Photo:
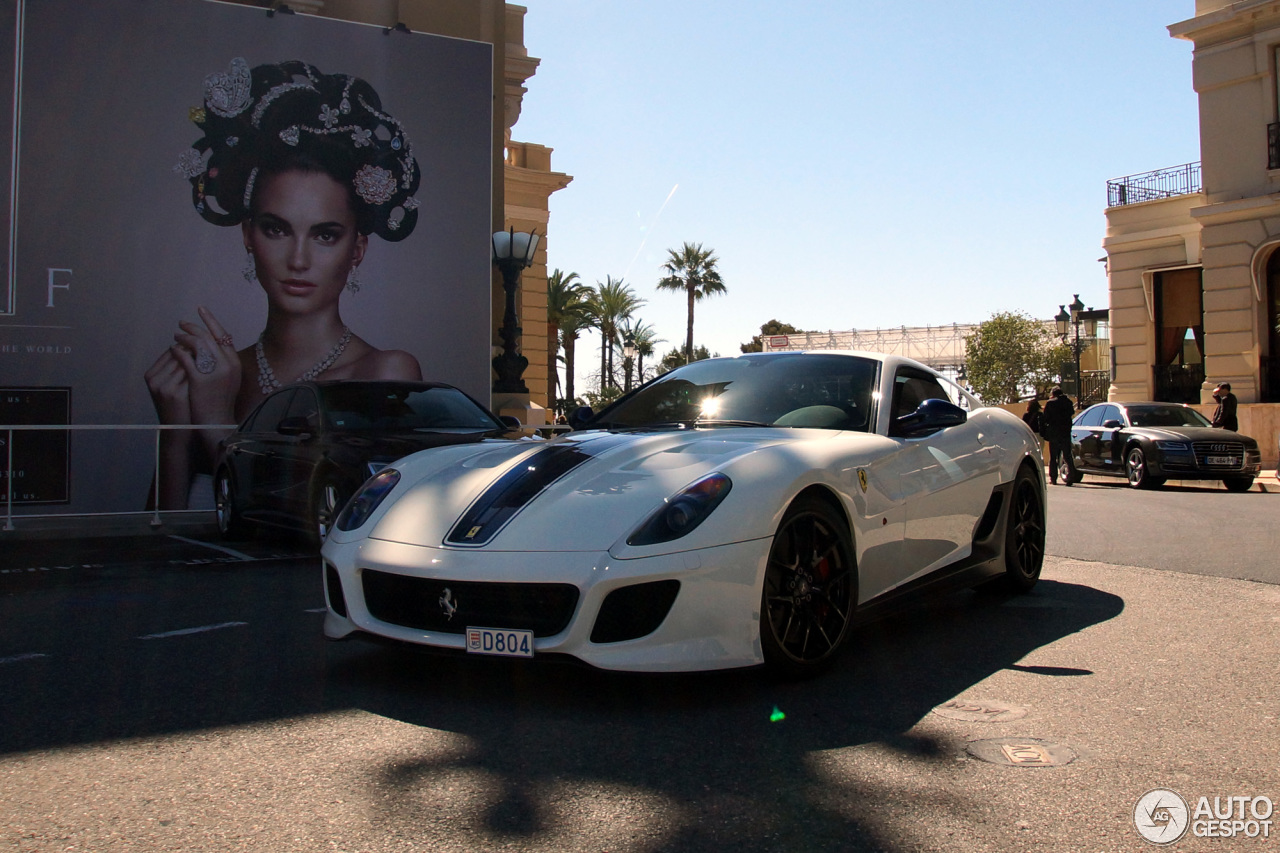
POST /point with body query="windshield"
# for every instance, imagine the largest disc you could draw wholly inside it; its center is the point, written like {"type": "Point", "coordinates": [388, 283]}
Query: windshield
{"type": "Point", "coordinates": [374, 406]}
{"type": "Point", "coordinates": [788, 389]}
{"type": "Point", "coordinates": [1166, 416]}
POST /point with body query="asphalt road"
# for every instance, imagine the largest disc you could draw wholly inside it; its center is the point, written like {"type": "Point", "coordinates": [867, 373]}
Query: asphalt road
{"type": "Point", "coordinates": [162, 694]}
{"type": "Point", "coordinates": [1197, 529]}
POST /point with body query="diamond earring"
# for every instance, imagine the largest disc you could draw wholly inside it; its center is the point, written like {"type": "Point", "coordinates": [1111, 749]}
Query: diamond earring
{"type": "Point", "coordinates": [353, 280]}
{"type": "Point", "coordinates": [250, 271]}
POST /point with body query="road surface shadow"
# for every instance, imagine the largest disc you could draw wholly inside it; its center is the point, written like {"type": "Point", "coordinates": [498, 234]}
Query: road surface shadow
{"type": "Point", "coordinates": [735, 751]}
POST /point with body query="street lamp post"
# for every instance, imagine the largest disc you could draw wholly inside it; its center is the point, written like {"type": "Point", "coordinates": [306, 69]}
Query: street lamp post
{"type": "Point", "coordinates": [628, 356]}
{"type": "Point", "coordinates": [512, 253]}
{"type": "Point", "coordinates": [1071, 323]}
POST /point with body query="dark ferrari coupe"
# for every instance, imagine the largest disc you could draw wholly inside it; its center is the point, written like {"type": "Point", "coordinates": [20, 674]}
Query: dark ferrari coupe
{"type": "Point", "coordinates": [1149, 443]}
{"type": "Point", "coordinates": [308, 447]}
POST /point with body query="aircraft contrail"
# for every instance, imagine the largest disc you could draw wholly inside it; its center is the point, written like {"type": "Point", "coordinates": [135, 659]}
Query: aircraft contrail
{"type": "Point", "coordinates": [649, 230]}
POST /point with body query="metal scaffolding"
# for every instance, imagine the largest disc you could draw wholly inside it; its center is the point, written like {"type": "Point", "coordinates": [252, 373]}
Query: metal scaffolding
{"type": "Point", "coordinates": [940, 347]}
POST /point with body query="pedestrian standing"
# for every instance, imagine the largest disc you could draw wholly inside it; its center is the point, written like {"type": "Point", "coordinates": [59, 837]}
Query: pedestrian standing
{"type": "Point", "coordinates": [1224, 417]}
{"type": "Point", "coordinates": [1032, 416]}
{"type": "Point", "coordinates": [1055, 426]}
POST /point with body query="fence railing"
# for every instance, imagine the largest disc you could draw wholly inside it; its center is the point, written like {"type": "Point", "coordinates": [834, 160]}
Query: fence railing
{"type": "Point", "coordinates": [1149, 186]}
{"type": "Point", "coordinates": [10, 429]}
{"type": "Point", "coordinates": [1094, 385]}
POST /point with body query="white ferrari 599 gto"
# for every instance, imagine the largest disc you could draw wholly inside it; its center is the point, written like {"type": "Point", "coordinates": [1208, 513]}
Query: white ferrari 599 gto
{"type": "Point", "coordinates": [733, 512]}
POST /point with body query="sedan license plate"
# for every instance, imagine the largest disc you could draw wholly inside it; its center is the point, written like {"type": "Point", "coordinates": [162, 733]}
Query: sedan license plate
{"type": "Point", "coordinates": [506, 642]}
{"type": "Point", "coordinates": [1233, 461]}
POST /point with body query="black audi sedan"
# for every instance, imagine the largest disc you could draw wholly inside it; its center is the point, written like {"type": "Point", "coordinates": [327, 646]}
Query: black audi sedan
{"type": "Point", "coordinates": [1149, 443]}
{"type": "Point", "coordinates": [308, 447]}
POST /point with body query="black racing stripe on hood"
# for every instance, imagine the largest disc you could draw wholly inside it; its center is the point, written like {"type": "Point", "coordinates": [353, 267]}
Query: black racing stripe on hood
{"type": "Point", "coordinates": [520, 485]}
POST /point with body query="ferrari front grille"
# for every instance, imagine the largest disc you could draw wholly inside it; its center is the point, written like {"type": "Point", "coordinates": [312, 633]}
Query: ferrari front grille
{"type": "Point", "coordinates": [450, 607]}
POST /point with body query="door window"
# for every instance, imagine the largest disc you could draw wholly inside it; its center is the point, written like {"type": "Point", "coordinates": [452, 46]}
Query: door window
{"type": "Point", "coordinates": [910, 389]}
{"type": "Point", "coordinates": [272, 412]}
{"type": "Point", "coordinates": [1091, 418]}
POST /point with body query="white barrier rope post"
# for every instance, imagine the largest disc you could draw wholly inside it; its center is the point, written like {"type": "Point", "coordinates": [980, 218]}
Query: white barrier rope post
{"type": "Point", "coordinates": [8, 485]}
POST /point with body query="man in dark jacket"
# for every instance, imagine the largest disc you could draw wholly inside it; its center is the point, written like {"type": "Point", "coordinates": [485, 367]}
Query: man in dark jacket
{"type": "Point", "coordinates": [1055, 426]}
{"type": "Point", "coordinates": [1224, 417]}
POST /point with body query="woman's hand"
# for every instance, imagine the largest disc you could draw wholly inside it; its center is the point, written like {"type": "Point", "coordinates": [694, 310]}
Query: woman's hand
{"type": "Point", "coordinates": [212, 368]}
{"type": "Point", "coordinates": [167, 382]}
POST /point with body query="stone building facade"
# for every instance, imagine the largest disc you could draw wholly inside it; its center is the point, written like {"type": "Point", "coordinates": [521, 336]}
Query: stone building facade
{"type": "Point", "coordinates": [1192, 260]}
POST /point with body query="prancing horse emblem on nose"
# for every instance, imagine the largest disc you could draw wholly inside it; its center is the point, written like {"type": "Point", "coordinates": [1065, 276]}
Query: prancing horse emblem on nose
{"type": "Point", "coordinates": [448, 605]}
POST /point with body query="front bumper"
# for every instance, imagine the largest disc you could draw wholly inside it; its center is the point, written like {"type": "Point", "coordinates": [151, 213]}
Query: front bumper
{"type": "Point", "coordinates": [713, 622]}
{"type": "Point", "coordinates": [1185, 466]}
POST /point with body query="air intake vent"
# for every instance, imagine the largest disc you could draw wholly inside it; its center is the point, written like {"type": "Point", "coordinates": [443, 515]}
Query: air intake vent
{"type": "Point", "coordinates": [634, 611]}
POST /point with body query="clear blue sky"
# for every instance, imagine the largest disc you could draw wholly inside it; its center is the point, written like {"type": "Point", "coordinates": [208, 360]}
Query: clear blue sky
{"type": "Point", "coordinates": [854, 163]}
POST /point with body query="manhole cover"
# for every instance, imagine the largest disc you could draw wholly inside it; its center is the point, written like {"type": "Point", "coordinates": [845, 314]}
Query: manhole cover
{"type": "Point", "coordinates": [1021, 752]}
{"type": "Point", "coordinates": [980, 711]}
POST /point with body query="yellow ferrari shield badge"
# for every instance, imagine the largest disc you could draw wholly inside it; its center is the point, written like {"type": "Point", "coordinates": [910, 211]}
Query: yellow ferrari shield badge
{"type": "Point", "coordinates": [862, 478]}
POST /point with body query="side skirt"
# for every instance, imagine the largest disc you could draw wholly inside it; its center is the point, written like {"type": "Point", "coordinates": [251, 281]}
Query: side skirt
{"type": "Point", "coordinates": [985, 562]}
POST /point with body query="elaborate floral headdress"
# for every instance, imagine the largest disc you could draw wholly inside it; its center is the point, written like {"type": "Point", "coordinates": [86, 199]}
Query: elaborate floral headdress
{"type": "Point", "coordinates": [276, 114]}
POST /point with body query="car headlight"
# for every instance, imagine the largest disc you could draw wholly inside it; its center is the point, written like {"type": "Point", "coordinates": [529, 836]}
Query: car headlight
{"type": "Point", "coordinates": [1173, 445]}
{"type": "Point", "coordinates": [360, 507]}
{"type": "Point", "coordinates": [680, 514]}
{"type": "Point", "coordinates": [373, 467]}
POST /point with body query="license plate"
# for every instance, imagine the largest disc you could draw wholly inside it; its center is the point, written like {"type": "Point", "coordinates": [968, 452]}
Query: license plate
{"type": "Point", "coordinates": [506, 642]}
{"type": "Point", "coordinates": [1233, 461]}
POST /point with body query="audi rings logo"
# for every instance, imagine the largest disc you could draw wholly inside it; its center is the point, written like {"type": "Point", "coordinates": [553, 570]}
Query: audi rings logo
{"type": "Point", "coordinates": [1161, 816]}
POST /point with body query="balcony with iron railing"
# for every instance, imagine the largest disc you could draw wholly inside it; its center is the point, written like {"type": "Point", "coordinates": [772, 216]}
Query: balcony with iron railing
{"type": "Point", "coordinates": [1150, 186]}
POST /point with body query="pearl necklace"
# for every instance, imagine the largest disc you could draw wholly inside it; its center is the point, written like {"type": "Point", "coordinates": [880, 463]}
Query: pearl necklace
{"type": "Point", "coordinates": [267, 378]}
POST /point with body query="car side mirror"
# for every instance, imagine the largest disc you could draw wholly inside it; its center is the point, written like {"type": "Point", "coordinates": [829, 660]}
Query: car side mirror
{"type": "Point", "coordinates": [510, 422]}
{"type": "Point", "coordinates": [296, 425]}
{"type": "Point", "coordinates": [580, 416]}
{"type": "Point", "coordinates": [1111, 423]}
{"type": "Point", "coordinates": [931, 416]}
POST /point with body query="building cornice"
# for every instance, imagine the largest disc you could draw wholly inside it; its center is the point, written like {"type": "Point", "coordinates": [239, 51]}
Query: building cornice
{"type": "Point", "coordinates": [1236, 19]}
{"type": "Point", "coordinates": [1237, 210]}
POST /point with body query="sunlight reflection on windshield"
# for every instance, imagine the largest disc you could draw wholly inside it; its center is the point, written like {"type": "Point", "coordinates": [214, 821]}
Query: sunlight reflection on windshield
{"type": "Point", "coordinates": [710, 407]}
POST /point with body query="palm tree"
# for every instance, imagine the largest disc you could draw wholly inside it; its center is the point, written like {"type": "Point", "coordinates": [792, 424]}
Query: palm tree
{"type": "Point", "coordinates": [566, 297]}
{"type": "Point", "coordinates": [571, 325]}
{"type": "Point", "coordinates": [614, 302]}
{"type": "Point", "coordinates": [692, 269]}
{"type": "Point", "coordinates": [645, 336]}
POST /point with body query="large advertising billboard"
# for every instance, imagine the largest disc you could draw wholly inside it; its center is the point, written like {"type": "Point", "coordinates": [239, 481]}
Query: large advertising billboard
{"type": "Point", "coordinates": [205, 200]}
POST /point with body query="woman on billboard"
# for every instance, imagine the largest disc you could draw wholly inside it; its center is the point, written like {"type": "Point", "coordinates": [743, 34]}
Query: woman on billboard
{"type": "Point", "coordinates": [308, 165]}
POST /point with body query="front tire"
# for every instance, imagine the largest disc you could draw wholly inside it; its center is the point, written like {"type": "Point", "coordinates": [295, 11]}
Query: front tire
{"type": "Point", "coordinates": [329, 500]}
{"type": "Point", "coordinates": [1237, 484]}
{"type": "Point", "coordinates": [230, 523]}
{"type": "Point", "coordinates": [1065, 472]}
{"type": "Point", "coordinates": [1137, 472]}
{"type": "Point", "coordinates": [810, 590]}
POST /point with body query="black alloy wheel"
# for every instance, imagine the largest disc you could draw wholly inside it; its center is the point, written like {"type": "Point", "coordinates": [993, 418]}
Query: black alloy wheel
{"type": "Point", "coordinates": [327, 503]}
{"type": "Point", "coordinates": [1064, 473]}
{"type": "Point", "coordinates": [1135, 469]}
{"type": "Point", "coordinates": [230, 523]}
{"type": "Point", "coordinates": [810, 590]}
{"type": "Point", "coordinates": [1024, 534]}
